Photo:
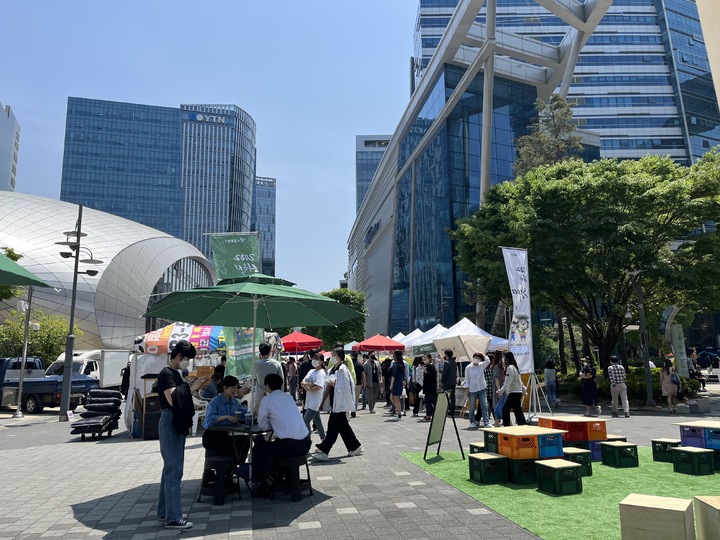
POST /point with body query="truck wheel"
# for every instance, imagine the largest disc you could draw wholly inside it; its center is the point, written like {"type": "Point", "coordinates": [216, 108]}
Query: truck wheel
{"type": "Point", "coordinates": [33, 405]}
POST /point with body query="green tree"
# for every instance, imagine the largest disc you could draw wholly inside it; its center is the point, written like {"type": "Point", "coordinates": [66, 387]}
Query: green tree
{"type": "Point", "coordinates": [47, 343]}
{"type": "Point", "coordinates": [352, 330]}
{"type": "Point", "coordinates": [551, 136]}
{"type": "Point", "coordinates": [6, 291]}
{"type": "Point", "coordinates": [587, 226]}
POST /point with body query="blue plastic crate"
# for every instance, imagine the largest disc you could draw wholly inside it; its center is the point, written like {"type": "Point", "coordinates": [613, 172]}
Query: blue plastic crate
{"type": "Point", "coordinates": [550, 445]}
{"type": "Point", "coordinates": [712, 438]}
{"type": "Point", "coordinates": [692, 436]}
{"type": "Point", "coordinates": [595, 452]}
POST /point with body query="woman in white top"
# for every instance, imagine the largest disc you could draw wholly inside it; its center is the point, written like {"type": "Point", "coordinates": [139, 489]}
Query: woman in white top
{"type": "Point", "coordinates": [314, 385]}
{"type": "Point", "coordinates": [475, 384]}
{"type": "Point", "coordinates": [514, 388]}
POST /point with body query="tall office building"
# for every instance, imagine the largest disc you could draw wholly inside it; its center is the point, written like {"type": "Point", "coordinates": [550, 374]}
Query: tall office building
{"type": "Point", "coordinates": [451, 144]}
{"type": "Point", "coordinates": [642, 81]}
{"type": "Point", "coordinates": [369, 150]}
{"type": "Point", "coordinates": [263, 220]}
{"type": "Point", "coordinates": [9, 148]}
{"type": "Point", "coordinates": [186, 171]}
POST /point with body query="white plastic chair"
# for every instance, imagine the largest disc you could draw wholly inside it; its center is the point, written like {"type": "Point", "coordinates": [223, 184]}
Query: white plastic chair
{"type": "Point", "coordinates": [200, 407]}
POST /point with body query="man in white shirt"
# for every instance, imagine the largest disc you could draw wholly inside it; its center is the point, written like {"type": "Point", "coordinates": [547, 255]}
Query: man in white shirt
{"type": "Point", "coordinates": [475, 384]}
{"type": "Point", "coordinates": [279, 413]}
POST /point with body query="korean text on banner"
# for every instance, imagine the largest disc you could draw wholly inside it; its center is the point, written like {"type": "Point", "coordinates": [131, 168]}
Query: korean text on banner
{"type": "Point", "coordinates": [240, 343]}
{"type": "Point", "coordinates": [236, 255]}
{"type": "Point", "coordinates": [520, 338]}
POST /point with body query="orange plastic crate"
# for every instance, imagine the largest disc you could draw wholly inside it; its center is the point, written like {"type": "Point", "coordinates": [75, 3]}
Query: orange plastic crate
{"type": "Point", "coordinates": [545, 422]}
{"type": "Point", "coordinates": [596, 431]}
{"type": "Point", "coordinates": [517, 447]}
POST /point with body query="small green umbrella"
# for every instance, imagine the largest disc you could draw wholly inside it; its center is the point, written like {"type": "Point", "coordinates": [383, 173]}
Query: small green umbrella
{"type": "Point", "coordinates": [11, 273]}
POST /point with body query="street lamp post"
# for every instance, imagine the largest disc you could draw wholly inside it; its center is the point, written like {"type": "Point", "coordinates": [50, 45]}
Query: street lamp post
{"type": "Point", "coordinates": [644, 338]}
{"type": "Point", "coordinates": [18, 412]}
{"type": "Point", "coordinates": [72, 240]}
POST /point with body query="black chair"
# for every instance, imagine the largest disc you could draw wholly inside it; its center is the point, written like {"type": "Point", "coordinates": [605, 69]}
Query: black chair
{"type": "Point", "coordinates": [287, 471]}
{"type": "Point", "coordinates": [221, 465]}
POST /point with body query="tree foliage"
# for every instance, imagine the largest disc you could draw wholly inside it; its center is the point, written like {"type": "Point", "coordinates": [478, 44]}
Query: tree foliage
{"type": "Point", "coordinates": [352, 330]}
{"type": "Point", "coordinates": [588, 225]}
{"type": "Point", "coordinates": [47, 343]}
{"type": "Point", "coordinates": [551, 136]}
{"type": "Point", "coordinates": [6, 291]}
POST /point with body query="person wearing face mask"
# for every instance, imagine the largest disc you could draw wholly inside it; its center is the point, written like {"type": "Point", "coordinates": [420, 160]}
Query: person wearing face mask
{"type": "Point", "coordinates": [175, 397]}
{"type": "Point", "coordinates": [341, 382]}
{"type": "Point", "coordinates": [475, 385]}
{"type": "Point", "coordinates": [314, 385]}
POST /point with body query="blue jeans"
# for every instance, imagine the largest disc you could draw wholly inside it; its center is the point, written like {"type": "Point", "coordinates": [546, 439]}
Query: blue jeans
{"type": "Point", "coordinates": [551, 391]}
{"type": "Point", "coordinates": [311, 415]}
{"type": "Point", "coordinates": [499, 406]}
{"type": "Point", "coordinates": [172, 450]}
{"type": "Point", "coordinates": [474, 398]}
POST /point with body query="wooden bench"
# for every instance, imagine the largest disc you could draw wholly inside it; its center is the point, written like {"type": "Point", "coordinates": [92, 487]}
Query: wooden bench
{"type": "Point", "coordinates": [692, 460]}
{"type": "Point", "coordinates": [558, 476]}
{"type": "Point", "coordinates": [488, 468]}
{"type": "Point", "coordinates": [661, 449]}
{"type": "Point", "coordinates": [619, 454]}
{"type": "Point", "coordinates": [647, 517]}
{"type": "Point", "coordinates": [581, 457]}
{"type": "Point", "coordinates": [707, 516]}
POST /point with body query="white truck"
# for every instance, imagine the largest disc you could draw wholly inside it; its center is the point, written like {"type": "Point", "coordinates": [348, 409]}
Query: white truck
{"type": "Point", "coordinates": [104, 365]}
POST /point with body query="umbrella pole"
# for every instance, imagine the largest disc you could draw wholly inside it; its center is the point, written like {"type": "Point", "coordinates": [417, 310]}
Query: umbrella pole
{"type": "Point", "coordinates": [254, 359]}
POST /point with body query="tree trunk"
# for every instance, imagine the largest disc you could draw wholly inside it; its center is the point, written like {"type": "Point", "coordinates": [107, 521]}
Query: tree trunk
{"type": "Point", "coordinates": [573, 347]}
{"type": "Point", "coordinates": [561, 345]}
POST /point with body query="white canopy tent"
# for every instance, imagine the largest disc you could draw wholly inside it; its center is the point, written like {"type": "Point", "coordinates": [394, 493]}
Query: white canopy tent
{"type": "Point", "coordinates": [415, 346]}
{"type": "Point", "coordinates": [411, 336]}
{"type": "Point", "coordinates": [464, 327]}
{"type": "Point", "coordinates": [398, 336]}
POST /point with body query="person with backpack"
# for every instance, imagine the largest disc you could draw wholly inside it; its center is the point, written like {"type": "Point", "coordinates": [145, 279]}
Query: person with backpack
{"type": "Point", "coordinates": [373, 381]}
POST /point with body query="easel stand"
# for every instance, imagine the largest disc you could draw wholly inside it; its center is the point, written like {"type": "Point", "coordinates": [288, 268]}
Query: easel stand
{"type": "Point", "coordinates": [437, 426]}
{"type": "Point", "coordinates": [535, 390]}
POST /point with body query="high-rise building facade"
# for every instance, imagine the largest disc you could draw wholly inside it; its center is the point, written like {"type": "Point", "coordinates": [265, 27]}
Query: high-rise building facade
{"type": "Point", "coordinates": [9, 148]}
{"type": "Point", "coordinates": [263, 220]}
{"type": "Point", "coordinates": [369, 150]}
{"type": "Point", "coordinates": [642, 81]}
{"type": "Point", "coordinates": [186, 171]}
{"type": "Point", "coordinates": [456, 138]}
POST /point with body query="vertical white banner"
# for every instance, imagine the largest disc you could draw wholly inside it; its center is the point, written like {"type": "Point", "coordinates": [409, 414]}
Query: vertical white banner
{"type": "Point", "coordinates": [520, 338]}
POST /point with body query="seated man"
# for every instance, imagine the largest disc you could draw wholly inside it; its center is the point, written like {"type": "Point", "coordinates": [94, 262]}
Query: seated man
{"type": "Point", "coordinates": [696, 373]}
{"type": "Point", "coordinates": [212, 389]}
{"type": "Point", "coordinates": [225, 410]}
{"type": "Point", "coordinates": [278, 412]}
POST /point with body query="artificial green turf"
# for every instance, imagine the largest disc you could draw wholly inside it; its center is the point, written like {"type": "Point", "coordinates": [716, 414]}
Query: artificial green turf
{"type": "Point", "coordinates": [592, 514]}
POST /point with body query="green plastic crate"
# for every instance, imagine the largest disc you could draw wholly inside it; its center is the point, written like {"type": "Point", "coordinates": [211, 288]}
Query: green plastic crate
{"type": "Point", "coordinates": [693, 462]}
{"type": "Point", "coordinates": [491, 442]}
{"type": "Point", "coordinates": [661, 449]}
{"type": "Point", "coordinates": [563, 481]}
{"type": "Point", "coordinates": [620, 457]}
{"type": "Point", "coordinates": [477, 447]}
{"type": "Point", "coordinates": [522, 471]}
{"type": "Point", "coordinates": [488, 470]}
{"type": "Point", "coordinates": [582, 458]}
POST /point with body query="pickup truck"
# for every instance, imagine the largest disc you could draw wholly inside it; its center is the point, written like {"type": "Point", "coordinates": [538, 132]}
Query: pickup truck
{"type": "Point", "coordinates": [41, 392]}
{"type": "Point", "coordinates": [34, 367]}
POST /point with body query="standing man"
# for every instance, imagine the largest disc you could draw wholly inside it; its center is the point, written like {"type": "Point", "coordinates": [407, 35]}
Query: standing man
{"type": "Point", "coordinates": [264, 367]}
{"type": "Point", "coordinates": [618, 388]}
{"type": "Point", "coordinates": [175, 396]}
{"type": "Point", "coordinates": [303, 370]}
{"type": "Point", "coordinates": [429, 386]}
{"type": "Point", "coordinates": [359, 372]}
{"type": "Point", "coordinates": [279, 413]}
{"type": "Point", "coordinates": [292, 374]}
{"type": "Point", "coordinates": [373, 381]}
{"type": "Point", "coordinates": [448, 378]}
{"type": "Point", "coordinates": [340, 380]}
{"type": "Point", "coordinates": [220, 368]}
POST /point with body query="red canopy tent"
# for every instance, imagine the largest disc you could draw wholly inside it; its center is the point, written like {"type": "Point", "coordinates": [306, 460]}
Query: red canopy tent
{"type": "Point", "coordinates": [297, 342]}
{"type": "Point", "coordinates": [379, 343]}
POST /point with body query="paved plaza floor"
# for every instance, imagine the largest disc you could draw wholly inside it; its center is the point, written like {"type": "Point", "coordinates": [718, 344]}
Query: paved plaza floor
{"type": "Point", "coordinates": [53, 485]}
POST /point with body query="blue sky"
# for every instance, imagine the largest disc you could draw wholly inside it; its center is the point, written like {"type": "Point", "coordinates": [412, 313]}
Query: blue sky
{"type": "Point", "coordinates": [313, 74]}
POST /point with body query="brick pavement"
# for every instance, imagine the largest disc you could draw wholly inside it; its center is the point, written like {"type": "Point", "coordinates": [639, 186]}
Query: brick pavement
{"type": "Point", "coordinates": [53, 485]}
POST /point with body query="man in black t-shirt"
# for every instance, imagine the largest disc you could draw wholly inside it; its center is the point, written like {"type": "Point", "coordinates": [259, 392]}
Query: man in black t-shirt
{"type": "Point", "coordinates": [172, 443]}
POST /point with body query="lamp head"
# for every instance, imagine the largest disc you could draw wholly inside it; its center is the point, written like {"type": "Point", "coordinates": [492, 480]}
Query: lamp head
{"type": "Point", "coordinates": [90, 273]}
{"type": "Point", "coordinates": [66, 254]}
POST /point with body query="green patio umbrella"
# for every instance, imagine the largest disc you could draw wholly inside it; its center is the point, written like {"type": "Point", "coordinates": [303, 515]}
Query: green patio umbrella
{"type": "Point", "coordinates": [256, 300]}
{"type": "Point", "coordinates": [11, 273]}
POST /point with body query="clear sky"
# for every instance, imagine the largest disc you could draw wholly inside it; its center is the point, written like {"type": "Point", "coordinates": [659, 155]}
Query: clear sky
{"type": "Point", "coordinates": [313, 74]}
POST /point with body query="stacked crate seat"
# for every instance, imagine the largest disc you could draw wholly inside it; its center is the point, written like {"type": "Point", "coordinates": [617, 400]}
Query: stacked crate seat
{"type": "Point", "coordinates": [488, 468]}
{"type": "Point", "coordinates": [693, 460]}
{"type": "Point", "coordinates": [661, 449]}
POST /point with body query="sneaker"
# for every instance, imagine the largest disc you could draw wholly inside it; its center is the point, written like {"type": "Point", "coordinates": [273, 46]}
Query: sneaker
{"type": "Point", "coordinates": [357, 452]}
{"type": "Point", "coordinates": [320, 456]}
{"type": "Point", "coordinates": [163, 518]}
{"type": "Point", "coordinates": [627, 415]}
{"type": "Point", "coordinates": [415, 414]}
{"type": "Point", "coordinates": [399, 416]}
{"type": "Point", "coordinates": [353, 414]}
{"type": "Point", "coordinates": [179, 524]}
{"type": "Point", "coordinates": [473, 425]}
{"type": "Point", "coordinates": [427, 419]}
{"type": "Point", "coordinates": [599, 410]}
{"type": "Point", "coordinates": [614, 415]}
{"type": "Point", "coordinates": [372, 412]}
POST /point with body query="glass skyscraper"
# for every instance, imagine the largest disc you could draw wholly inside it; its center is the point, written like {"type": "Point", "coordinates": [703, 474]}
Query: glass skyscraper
{"type": "Point", "coordinates": [369, 150]}
{"type": "Point", "coordinates": [9, 148]}
{"type": "Point", "coordinates": [187, 171]}
{"type": "Point", "coordinates": [263, 220]}
{"type": "Point", "coordinates": [642, 81]}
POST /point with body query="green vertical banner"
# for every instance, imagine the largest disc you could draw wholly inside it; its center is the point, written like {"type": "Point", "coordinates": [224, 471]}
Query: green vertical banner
{"type": "Point", "coordinates": [236, 254]}
{"type": "Point", "coordinates": [241, 342]}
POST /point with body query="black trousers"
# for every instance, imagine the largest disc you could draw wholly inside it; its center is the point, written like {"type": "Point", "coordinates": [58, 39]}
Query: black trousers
{"type": "Point", "coordinates": [338, 425]}
{"type": "Point", "coordinates": [430, 400]}
{"type": "Point", "coordinates": [265, 451]}
{"type": "Point", "coordinates": [417, 390]}
{"type": "Point", "coordinates": [451, 397]}
{"type": "Point", "coordinates": [221, 443]}
{"type": "Point", "coordinates": [514, 403]}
